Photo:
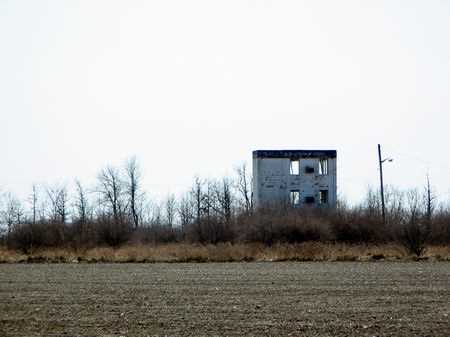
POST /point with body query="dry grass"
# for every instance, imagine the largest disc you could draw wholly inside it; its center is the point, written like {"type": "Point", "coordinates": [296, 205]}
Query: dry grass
{"type": "Point", "coordinates": [441, 253]}
{"type": "Point", "coordinates": [11, 256]}
{"type": "Point", "coordinates": [227, 252]}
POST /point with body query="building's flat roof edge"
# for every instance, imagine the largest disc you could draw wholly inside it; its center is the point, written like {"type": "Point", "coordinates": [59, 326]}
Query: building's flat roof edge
{"type": "Point", "coordinates": [294, 153]}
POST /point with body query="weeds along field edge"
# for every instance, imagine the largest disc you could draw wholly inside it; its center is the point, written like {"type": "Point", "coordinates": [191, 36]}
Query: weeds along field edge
{"type": "Point", "coordinates": [226, 252]}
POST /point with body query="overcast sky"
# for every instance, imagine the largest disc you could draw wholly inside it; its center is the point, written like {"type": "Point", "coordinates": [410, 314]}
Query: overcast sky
{"type": "Point", "coordinates": [193, 87]}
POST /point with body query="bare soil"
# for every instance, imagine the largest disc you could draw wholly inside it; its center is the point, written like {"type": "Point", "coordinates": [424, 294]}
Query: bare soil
{"type": "Point", "coordinates": [226, 299]}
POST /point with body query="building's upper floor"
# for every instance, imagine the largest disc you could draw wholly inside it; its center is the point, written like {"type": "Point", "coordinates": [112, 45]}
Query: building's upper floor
{"type": "Point", "coordinates": [297, 176]}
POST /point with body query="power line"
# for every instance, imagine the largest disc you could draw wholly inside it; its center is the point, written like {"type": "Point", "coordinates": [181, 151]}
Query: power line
{"type": "Point", "coordinates": [418, 158]}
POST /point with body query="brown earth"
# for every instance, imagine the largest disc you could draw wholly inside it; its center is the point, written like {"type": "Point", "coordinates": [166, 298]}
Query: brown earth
{"type": "Point", "coordinates": [226, 299]}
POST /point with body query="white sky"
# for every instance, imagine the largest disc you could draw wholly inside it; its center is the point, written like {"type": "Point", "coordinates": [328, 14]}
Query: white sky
{"type": "Point", "coordinates": [192, 87]}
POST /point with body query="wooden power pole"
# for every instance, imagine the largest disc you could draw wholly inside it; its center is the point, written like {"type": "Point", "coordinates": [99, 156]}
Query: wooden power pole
{"type": "Point", "coordinates": [380, 161]}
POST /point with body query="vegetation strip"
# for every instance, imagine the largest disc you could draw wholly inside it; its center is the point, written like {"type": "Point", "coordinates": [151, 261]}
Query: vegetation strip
{"type": "Point", "coordinates": [308, 251]}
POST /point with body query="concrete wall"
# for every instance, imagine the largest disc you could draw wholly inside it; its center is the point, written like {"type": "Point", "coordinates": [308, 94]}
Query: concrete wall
{"type": "Point", "coordinates": [273, 182]}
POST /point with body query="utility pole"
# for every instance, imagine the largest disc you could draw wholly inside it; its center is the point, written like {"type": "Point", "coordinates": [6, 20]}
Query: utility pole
{"type": "Point", "coordinates": [381, 161]}
{"type": "Point", "coordinates": [383, 212]}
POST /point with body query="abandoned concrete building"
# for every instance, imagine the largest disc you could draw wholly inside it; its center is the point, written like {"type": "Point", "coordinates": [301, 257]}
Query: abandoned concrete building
{"type": "Point", "coordinates": [300, 177]}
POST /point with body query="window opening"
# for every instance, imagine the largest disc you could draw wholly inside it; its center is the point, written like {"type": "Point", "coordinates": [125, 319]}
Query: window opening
{"type": "Point", "coordinates": [323, 166]}
{"type": "Point", "coordinates": [323, 196]}
{"type": "Point", "coordinates": [309, 169]}
{"type": "Point", "coordinates": [295, 198]}
{"type": "Point", "coordinates": [295, 167]}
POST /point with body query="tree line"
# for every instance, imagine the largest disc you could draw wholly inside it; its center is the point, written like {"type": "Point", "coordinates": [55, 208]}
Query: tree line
{"type": "Point", "coordinates": [116, 210]}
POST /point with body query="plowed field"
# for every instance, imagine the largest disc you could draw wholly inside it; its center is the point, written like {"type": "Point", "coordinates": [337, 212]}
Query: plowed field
{"type": "Point", "coordinates": [226, 299]}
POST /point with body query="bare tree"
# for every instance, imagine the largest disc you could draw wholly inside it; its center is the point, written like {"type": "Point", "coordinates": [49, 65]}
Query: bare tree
{"type": "Point", "coordinates": [34, 203]}
{"type": "Point", "coordinates": [146, 214]}
{"type": "Point", "coordinates": [170, 210]}
{"type": "Point", "coordinates": [244, 188]}
{"type": "Point", "coordinates": [11, 214]}
{"type": "Point", "coordinates": [81, 202]}
{"type": "Point", "coordinates": [413, 203]}
{"type": "Point", "coordinates": [58, 198]}
{"type": "Point", "coordinates": [394, 201]}
{"type": "Point", "coordinates": [226, 200]}
{"type": "Point", "coordinates": [201, 207]}
{"type": "Point", "coordinates": [83, 212]}
{"type": "Point", "coordinates": [133, 187]}
{"type": "Point", "coordinates": [155, 214]}
{"type": "Point", "coordinates": [429, 199]}
{"type": "Point", "coordinates": [372, 202]}
{"type": "Point", "coordinates": [222, 199]}
{"type": "Point", "coordinates": [414, 234]}
{"type": "Point", "coordinates": [209, 201]}
{"type": "Point", "coordinates": [186, 211]}
{"type": "Point", "coordinates": [198, 198]}
{"type": "Point", "coordinates": [111, 189]}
